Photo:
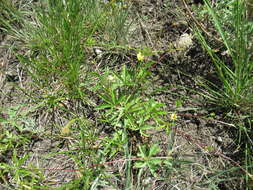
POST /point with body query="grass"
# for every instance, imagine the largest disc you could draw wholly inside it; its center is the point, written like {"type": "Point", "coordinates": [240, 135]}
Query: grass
{"type": "Point", "coordinates": [236, 89]}
{"type": "Point", "coordinates": [91, 117]}
{"type": "Point", "coordinates": [235, 92]}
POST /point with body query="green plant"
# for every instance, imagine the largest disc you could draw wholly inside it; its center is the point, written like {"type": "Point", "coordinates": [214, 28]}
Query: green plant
{"type": "Point", "coordinates": [85, 152]}
{"type": "Point", "coordinates": [114, 144]}
{"type": "Point", "coordinates": [236, 90]}
{"type": "Point", "coordinates": [149, 161]}
{"type": "Point", "coordinates": [10, 16]}
{"type": "Point", "coordinates": [56, 34]}
{"type": "Point", "coordinates": [16, 134]}
{"type": "Point", "coordinates": [127, 109]}
{"type": "Point", "coordinates": [249, 5]}
{"type": "Point", "coordinates": [18, 176]}
{"type": "Point", "coordinates": [12, 126]}
{"type": "Point", "coordinates": [56, 45]}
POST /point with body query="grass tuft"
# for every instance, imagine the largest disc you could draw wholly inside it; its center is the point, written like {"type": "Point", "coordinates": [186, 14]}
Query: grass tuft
{"type": "Point", "coordinates": [236, 91]}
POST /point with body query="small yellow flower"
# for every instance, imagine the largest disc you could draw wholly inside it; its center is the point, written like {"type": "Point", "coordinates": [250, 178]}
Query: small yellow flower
{"type": "Point", "coordinates": [173, 116]}
{"type": "Point", "coordinates": [65, 130]}
{"type": "Point", "coordinates": [124, 6]}
{"type": "Point", "coordinates": [140, 56]}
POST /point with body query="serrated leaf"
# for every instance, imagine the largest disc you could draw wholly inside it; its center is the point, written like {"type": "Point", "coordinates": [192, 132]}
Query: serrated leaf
{"type": "Point", "coordinates": [153, 172]}
{"type": "Point", "coordinates": [155, 161]}
{"type": "Point", "coordinates": [142, 150]}
{"type": "Point", "coordinates": [154, 150]}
